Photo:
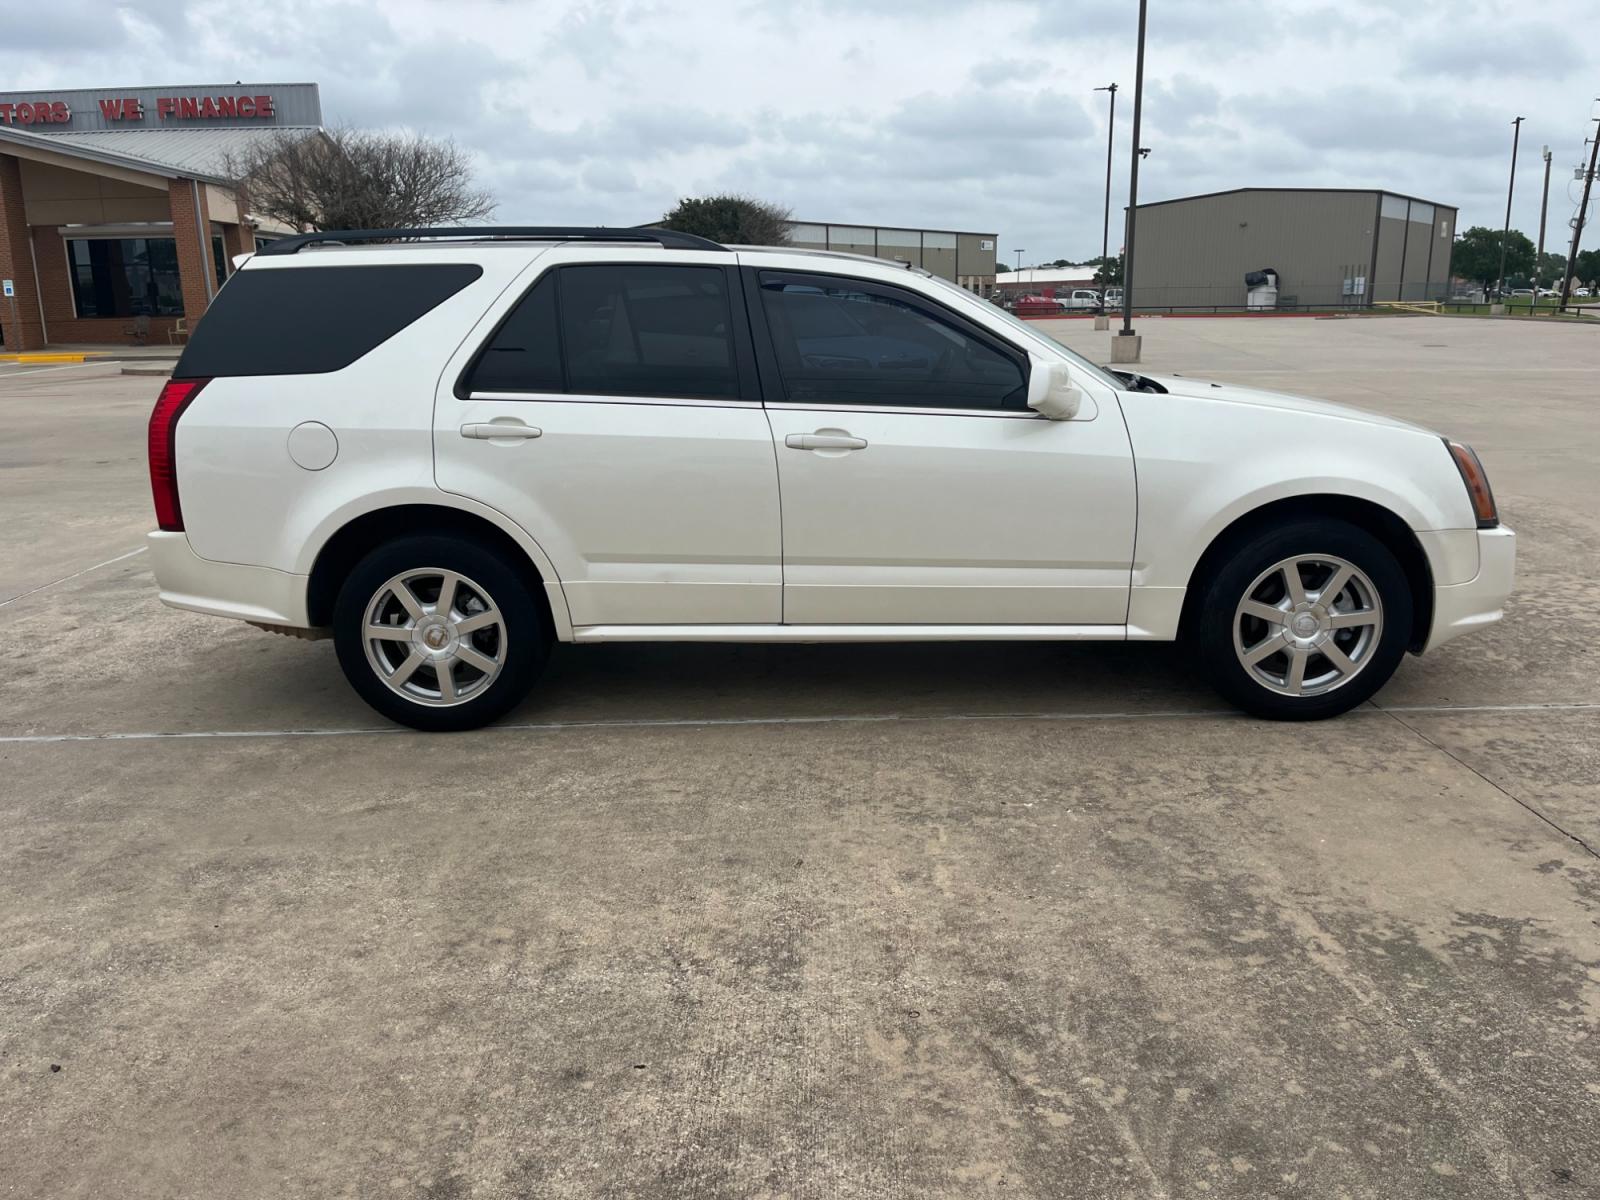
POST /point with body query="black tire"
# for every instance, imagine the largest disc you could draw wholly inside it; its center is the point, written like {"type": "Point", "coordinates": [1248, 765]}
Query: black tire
{"type": "Point", "coordinates": [1212, 621]}
{"type": "Point", "coordinates": [486, 576]}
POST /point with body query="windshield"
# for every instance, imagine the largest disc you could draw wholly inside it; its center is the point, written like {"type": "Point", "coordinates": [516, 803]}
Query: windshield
{"type": "Point", "coordinates": [1098, 372]}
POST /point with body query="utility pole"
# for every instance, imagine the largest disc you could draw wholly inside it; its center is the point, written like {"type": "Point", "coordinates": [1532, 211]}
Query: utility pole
{"type": "Point", "coordinates": [1505, 234]}
{"type": "Point", "coordinates": [1130, 352]}
{"type": "Point", "coordinates": [1538, 255]}
{"type": "Point", "coordinates": [1577, 223]}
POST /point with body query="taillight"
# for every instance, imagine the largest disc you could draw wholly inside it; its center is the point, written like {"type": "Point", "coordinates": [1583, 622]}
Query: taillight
{"type": "Point", "coordinates": [1472, 474]}
{"type": "Point", "coordinates": [174, 398]}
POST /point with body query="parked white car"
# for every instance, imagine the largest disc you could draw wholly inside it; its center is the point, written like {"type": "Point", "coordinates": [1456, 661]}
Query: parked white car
{"type": "Point", "coordinates": [449, 452]}
{"type": "Point", "coordinates": [1080, 298]}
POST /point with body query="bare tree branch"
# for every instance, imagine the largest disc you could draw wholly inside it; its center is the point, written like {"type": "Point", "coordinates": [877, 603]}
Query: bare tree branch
{"type": "Point", "coordinates": [357, 179]}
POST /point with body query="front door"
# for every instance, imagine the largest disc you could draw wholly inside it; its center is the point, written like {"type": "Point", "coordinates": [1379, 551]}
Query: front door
{"type": "Point", "coordinates": [613, 414]}
{"type": "Point", "coordinates": [917, 488]}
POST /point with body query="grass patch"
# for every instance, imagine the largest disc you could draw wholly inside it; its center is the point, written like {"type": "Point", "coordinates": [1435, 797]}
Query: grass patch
{"type": "Point", "coordinates": [1519, 308]}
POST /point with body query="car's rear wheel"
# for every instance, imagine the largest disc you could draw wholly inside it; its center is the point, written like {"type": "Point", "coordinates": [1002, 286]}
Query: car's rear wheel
{"type": "Point", "coordinates": [1303, 621]}
{"type": "Point", "coordinates": [438, 633]}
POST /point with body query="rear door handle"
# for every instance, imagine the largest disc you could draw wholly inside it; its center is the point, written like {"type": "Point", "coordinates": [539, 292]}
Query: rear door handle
{"type": "Point", "coordinates": [824, 441]}
{"type": "Point", "coordinates": [483, 431]}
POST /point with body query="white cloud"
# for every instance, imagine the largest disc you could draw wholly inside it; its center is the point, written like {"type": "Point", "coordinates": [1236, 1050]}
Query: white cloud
{"type": "Point", "coordinates": [941, 112]}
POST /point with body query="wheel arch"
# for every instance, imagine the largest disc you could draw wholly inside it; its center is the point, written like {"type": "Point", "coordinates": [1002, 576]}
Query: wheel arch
{"type": "Point", "coordinates": [1382, 523]}
{"type": "Point", "coordinates": [354, 539]}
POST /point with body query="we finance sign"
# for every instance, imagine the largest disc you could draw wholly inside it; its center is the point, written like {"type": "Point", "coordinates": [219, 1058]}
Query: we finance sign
{"type": "Point", "coordinates": [153, 108]}
{"type": "Point", "coordinates": [187, 108]}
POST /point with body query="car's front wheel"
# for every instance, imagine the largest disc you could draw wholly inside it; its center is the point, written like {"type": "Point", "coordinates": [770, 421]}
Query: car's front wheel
{"type": "Point", "coordinates": [1303, 621]}
{"type": "Point", "coordinates": [438, 633]}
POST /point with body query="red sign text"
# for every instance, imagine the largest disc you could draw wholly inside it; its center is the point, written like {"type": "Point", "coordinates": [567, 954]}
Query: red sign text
{"type": "Point", "coordinates": [40, 112]}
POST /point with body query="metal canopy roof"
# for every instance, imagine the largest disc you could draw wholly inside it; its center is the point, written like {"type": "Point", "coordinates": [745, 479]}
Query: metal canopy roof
{"type": "Point", "coordinates": [189, 153]}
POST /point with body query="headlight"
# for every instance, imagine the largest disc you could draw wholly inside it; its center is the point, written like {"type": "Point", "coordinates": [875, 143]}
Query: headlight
{"type": "Point", "coordinates": [1472, 474]}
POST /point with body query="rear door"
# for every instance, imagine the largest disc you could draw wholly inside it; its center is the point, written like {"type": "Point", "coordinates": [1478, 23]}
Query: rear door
{"type": "Point", "coordinates": [917, 486]}
{"type": "Point", "coordinates": [612, 410]}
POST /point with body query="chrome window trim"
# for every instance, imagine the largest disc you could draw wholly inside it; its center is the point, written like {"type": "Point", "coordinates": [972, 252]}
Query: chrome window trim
{"type": "Point", "coordinates": [1009, 414]}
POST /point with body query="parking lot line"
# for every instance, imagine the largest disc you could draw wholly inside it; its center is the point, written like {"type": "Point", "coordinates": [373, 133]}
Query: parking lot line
{"type": "Point", "coordinates": [826, 719]}
{"type": "Point", "coordinates": [27, 371]}
{"type": "Point", "coordinates": [74, 575]}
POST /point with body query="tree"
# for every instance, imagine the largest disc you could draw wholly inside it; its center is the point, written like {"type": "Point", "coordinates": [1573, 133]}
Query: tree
{"type": "Point", "coordinates": [1108, 270]}
{"type": "Point", "coordinates": [1550, 268]}
{"type": "Point", "coordinates": [1000, 268]}
{"type": "Point", "coordinates": [1587, 267]}
{"type": "Point", "coordinates": [356, 179]}
{"type": "Point", "coordinates": [1476, 255]}
{"type": "Point", "coordinates": [731, 219]}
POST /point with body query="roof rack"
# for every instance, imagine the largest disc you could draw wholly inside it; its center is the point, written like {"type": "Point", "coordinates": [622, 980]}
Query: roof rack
{"type": "Point", "coordinates": [668, 239]}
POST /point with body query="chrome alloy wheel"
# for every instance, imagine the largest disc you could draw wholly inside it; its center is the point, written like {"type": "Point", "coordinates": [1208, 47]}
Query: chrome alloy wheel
{"type": "Point", "coordinates": [435, 637]}
{"type": "Point", "coordinates": [1308, 625]}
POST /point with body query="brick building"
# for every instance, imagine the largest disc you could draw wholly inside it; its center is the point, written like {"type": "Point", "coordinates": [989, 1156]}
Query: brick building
{"type": "Point", "coordinates": [117, 220]}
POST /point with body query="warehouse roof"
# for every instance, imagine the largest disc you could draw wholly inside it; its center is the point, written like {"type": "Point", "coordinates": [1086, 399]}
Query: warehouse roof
{"type": "Point", "coordinates": [1045, 275]}
{"type": "Point", "coordinates": [1367, 191]}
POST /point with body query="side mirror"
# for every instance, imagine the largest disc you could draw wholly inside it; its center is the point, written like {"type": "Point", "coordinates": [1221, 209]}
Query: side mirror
{"type": "Point", "coordinates": [1051, 392]}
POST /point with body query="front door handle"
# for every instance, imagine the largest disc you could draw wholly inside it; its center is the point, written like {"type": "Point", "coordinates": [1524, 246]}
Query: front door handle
{"type": "Point", "coordinates": [824, 441]}
{"type": "Point", "coordinates": [485, 430]}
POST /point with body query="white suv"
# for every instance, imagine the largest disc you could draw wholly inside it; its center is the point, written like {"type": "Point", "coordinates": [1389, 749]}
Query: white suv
{"type": "Point", "coordinates": [448, 451]}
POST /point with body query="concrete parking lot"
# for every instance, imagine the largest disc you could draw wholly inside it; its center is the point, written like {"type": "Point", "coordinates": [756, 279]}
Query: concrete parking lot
{"type": "Point", "coordinates": [817, 922]}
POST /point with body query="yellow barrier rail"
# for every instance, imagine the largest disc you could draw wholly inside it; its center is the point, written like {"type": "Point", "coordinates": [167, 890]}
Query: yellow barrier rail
{"type": "Point", "coordinates": [1421, 306]}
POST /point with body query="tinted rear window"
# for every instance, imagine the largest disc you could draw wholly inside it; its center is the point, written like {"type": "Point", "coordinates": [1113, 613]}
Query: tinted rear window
{"type": "Point", "coordinates": [310, 320]}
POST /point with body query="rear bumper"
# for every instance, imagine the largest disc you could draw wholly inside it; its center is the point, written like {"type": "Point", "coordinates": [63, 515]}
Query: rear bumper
{"type": "Point", "coordinates": [1462, 607]}
{"type": "Point", "coordinates": [219, 589]}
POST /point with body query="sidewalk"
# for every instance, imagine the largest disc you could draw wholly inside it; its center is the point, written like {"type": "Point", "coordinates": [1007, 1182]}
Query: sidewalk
{"type": "Point", "coordinates": [77, 352]}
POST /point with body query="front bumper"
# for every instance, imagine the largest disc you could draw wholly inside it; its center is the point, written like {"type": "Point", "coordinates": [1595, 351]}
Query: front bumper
{"type": "Point", "coordinates": [219, 589]}
{"type": "Point", "coordinates": [1462, 607]}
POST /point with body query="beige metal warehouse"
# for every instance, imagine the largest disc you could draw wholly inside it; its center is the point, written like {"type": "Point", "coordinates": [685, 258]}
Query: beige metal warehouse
{"type": "Point", "coordinates": [1331, 248]}
{"type": "Point", "coordinates": [964, 258]}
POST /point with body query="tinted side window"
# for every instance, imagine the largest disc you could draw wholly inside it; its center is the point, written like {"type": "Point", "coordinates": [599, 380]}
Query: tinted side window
{"type": "Point", "coordinates": [838, 343]}
{"type": "Point", "coordinates": [308, 320]}
{"type": "Point", "coordinates": [525, 353]}
{"type": "Point", "coordinates": [642, 330]}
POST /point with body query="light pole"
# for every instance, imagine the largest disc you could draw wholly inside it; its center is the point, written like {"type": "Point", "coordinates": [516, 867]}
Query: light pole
{"type": "Point", "coordinates": [1102, 319]}
{"type": "Point", "coordinates": [1020, 253]}
{"type": "Point", "coordinates": [1111, 129]}
{"type": "Point", "coordinates": [1577, 222]}
{"type": "Point", "coordinates": [1538, 255]}
{"type": "Point", "coordinates": [1125, 346]}
{"type": "Point", "coordinates": [1505, 234]}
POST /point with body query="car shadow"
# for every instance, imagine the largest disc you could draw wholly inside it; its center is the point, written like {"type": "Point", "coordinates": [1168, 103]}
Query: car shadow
{"type": "Point", "coordinates": [671, 682]}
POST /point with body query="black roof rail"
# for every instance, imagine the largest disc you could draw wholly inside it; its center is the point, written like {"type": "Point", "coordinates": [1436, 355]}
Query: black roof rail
{"type": "Point", "coordinates": [669, 239]}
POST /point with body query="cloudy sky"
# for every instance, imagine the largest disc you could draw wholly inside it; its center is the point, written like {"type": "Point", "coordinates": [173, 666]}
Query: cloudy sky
{"type": "Point", "coordinates": [944, 113]}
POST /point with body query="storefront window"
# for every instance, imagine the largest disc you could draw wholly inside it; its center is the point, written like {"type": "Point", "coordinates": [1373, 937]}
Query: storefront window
{"type": "Point", "coordinates": [125, 277]}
